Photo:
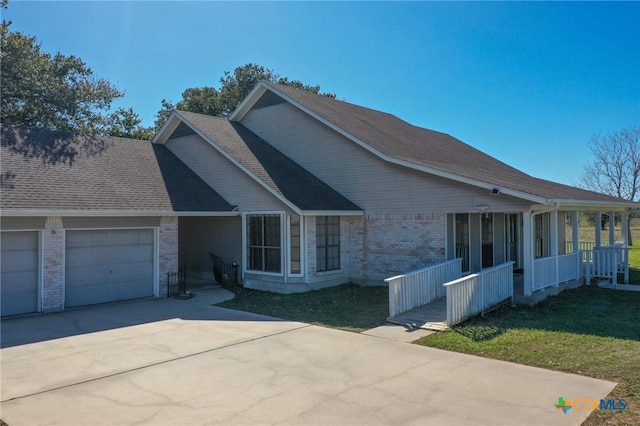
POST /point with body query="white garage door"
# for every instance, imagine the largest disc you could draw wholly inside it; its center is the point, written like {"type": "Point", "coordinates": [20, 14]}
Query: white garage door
{"type": "Point", "coordinates": [19, 272]}
{"type": "Point", "coordinates": [108, 265]}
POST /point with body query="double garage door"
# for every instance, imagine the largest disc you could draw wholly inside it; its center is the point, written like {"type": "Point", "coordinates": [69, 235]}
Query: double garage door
{"type": "Point", "coordinates": [100, 266]}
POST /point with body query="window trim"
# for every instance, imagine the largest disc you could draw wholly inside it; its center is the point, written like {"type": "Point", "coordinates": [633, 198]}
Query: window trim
{"type": "Point", "coordinates": [245, 243]}
{"type": "Point", "coordinates": [302, 246]}
{"type": "Point", "coordinates": [339, 268]}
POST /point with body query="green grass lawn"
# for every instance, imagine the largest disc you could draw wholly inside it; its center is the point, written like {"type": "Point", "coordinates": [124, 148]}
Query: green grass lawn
{"type": "Point", "coordinates": [588, 330]}
{"type": "Point", "coordinates": [347, 307]}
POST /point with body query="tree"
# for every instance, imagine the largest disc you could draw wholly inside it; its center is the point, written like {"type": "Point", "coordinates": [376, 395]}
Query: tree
{"type": "Point", "coordinates": [125, 123]}
{"type": "Point", "coordinates": [234, 87]}
{"type": "Point", "coordinates": [57, 92]}
{"type": "Point", "coordinates": [615, 169]}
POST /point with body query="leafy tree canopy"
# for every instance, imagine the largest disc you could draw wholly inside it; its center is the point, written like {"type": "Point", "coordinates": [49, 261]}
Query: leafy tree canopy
{"type": "Point", "coordinates": [234, 87]}
{"type": "Point", "coordinates": [57, 92]}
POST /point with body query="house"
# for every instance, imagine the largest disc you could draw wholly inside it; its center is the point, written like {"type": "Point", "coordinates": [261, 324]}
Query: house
{"type": "Point", "coordinates": [309, 192]}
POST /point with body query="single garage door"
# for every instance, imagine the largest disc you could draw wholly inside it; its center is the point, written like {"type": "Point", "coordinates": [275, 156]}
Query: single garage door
{"type": "Point", "coordinates": [19, 272]}
{"type": "Point", "coordinates": [108, 265]}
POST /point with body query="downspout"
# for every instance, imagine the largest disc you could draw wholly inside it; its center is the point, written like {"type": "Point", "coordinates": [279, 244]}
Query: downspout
{"type": "Point", "coordinates": [555, 207]}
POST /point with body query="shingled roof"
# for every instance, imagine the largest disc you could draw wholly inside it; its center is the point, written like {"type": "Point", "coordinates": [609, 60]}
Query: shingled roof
{"type": "Point", "coordinates": [397, 139]}
{"type": "Point", "coordinates": [52, 171]}
{"type": "Point", "coordinates": [284, 176]}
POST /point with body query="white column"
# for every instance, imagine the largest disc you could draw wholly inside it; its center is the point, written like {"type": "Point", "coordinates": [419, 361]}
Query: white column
{"type": "Point", "coordinates": [575, 236]}
{"type": "Point", "coordinates": [624, 228]}
{"type": "Point", "coordinates": [575, 231]}
{"type": "Point", "coordinates": [612, 228]}
{"type": "Point", "coordinates": [527, 252]}
{"type": "Point", "coordinates": [598, 222]}
{"type": "Point", "coordinates": [553, 216]}
{"type": "Point", "coordinates": [624, 221]}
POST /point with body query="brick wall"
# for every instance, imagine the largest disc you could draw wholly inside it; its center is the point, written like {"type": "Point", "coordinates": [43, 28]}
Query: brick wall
{"type": "Point", "coordinates": [375, 247]}
{"type": "Point", "coordinates": [53, 272]}
{"type": "Point", "coordinates": [168, 246]}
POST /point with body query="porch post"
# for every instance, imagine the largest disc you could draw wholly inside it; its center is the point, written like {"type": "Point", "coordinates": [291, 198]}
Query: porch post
{"type": "Point", "coordinates": [612, 228]}
{"type": "Point", "coordinates": [527, 252]}
{"type": "Point", "coordinates": [598, 221]}
{"type": "Point", "coordinates": [625, 244]}
{"type": "Point", "coordinates": [554, 242]}
{"type": "Point", "coordinates": [575, 231]}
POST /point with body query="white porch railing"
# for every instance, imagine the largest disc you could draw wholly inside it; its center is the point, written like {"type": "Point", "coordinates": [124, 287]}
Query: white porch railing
{"type": "Point", "coordinates": [582, 245]}
{"type": "Point", "coordinates": [606, 262]}
{"type": "Point", "coordinates": [568, 267]}
{"type": "Point", "coordinates": [548, 273]}
{"type": "Point", "coordinates": [417, 288]}
{"type": "Point", "coordinates": [473, 294]}
{"type": "Point", "coordinates": [544, 273]}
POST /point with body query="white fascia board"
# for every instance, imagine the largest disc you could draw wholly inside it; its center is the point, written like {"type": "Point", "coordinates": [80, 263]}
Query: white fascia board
{"type": "Point", "coordinates": [404, 163]}
{"type": "Point", "coordinates": [239, 165]}
{"type": "Point", "coordinates": [585, 205]}
{"type": "Point", "coordinates": [332, 213]}
{"type": "Point", "coordinates": [167, 128]}
{"type": "Point", "coordinates": [248, 101]}
{"type": "Point", "coordinates": [118, 213]}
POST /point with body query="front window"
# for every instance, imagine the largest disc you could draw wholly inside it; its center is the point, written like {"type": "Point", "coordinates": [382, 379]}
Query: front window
{"type": "Point", "coordinates": [327, 243]}
{"type": "Point", "coordinates": [264, 250]}
{"type": "Point", "coordinates": [294, 231]}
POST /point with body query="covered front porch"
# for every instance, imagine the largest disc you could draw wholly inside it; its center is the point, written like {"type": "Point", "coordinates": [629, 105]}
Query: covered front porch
{"type": "Point", "coordinates": [553, 252]}
{"type": "Point", "coordinates": [519, 257]}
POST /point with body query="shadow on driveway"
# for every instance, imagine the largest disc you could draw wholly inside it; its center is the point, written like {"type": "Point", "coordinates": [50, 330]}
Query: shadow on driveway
{"type": "Point", "coordinates": [90, 319]}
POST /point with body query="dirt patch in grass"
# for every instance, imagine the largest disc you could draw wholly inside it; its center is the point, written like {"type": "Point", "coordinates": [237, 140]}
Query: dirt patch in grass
{"type": "Point", "coordinates": [347, 307]}
{"type": "Point", "coordinates": [590, 331]}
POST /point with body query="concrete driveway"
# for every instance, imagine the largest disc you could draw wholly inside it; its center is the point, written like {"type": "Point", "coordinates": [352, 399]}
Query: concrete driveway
{"type": "Point", "coordinates": [173, 362]}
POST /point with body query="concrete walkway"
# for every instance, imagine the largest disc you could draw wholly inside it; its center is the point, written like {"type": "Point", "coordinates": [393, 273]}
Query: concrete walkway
{"type": "Point", "coordinates": [173, 362]}
{"type": "Point", "coordinates": [432, 316]}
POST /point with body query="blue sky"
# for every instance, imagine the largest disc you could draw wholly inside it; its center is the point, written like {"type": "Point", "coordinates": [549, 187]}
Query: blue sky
{"type": "Point", "coordinates": [527, 83]}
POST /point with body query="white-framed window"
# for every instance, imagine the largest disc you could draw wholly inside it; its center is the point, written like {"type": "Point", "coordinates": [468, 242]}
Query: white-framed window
{"type": "Point", "coordinates": [264, 242]}
{"type": "Point", "coordinates": [295, 244]}
{"type": "Point", "coordinates": [327, 243]}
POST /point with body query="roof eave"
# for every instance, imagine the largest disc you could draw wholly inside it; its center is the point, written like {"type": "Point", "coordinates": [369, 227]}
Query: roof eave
{"type": "Point", "coordinates": [167, 128]}
{"type": "Point", "coordinates": [248, 102]}
{"type": "Point", "coordinates": [332, 212]}
{"type": "Point", "coordinates": [118, 213]}
{"type": "Point", "coordinates": [586, 205]}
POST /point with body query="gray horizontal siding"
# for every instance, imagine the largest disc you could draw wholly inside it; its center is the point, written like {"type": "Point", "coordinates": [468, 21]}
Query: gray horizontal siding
{"type": "Point", "coordinates": [22, 223]}
{"type": "Point", "coordinates": [233, 184]}
{"type": "Point", "coordinates": [110, 222]}
{"type": "Point", "coordinates": [370, 182]}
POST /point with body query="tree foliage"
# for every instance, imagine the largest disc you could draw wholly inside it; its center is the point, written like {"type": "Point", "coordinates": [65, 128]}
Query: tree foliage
{"type": "Point", "coordinates": [126, 123]}
{"type": "Point", "coordinates": [615, 169]}
{"type": "Point", "coordinates": [57, 92]}
{"type": "Point", "coordinates": [234, 87]}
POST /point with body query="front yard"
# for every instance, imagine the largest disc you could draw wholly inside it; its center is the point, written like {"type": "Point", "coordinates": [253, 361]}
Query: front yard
{"type": "Point", "coordinates": [346, 307]}
{"type": "Point", "coordinates": [590, 331]}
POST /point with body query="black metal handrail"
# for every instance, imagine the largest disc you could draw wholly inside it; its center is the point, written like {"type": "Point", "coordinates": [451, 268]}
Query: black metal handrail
{"type": "Point", "coordinates": [224, 273]}
{"type": "Point", "coordinates": [177, 282]}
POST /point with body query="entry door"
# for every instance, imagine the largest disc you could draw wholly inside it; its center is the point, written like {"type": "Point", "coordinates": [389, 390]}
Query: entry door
{"type": "Point", "coordinates": [512, 237]}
